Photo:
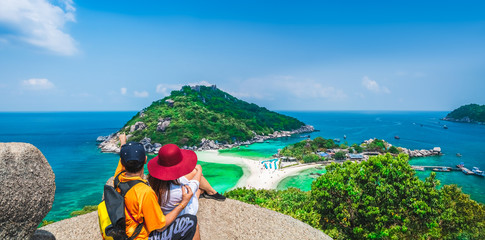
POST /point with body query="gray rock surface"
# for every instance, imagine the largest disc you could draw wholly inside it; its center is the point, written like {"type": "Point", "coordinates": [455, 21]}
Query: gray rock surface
{"type": "Point", "coordinates": [27, 189]}
{"type": "Point", "coordinates": [217, 221]}
{"type": "Point", "coordinates": [163, 124]}
{"type": "Point", "coordinates": [237, 220]}
{"type": "Point", "coordinates": [77, 228]}
{"type": "Point", "coordinates": [137, 126]}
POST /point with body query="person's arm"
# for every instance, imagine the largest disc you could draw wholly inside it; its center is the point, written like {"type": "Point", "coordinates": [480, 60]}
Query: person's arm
{"type": "Point", "coordinates": [120, 166]}
{"type": "Point", "coordinates": [122, 138]}
{"type": "Point", "coordinates": [170, 217]}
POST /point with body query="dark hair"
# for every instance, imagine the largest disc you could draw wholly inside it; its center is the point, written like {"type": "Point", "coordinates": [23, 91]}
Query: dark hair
{"type": "Point", "coordinates": [133, 166]}
{"type": "Point", "coordinates": [161, 188]}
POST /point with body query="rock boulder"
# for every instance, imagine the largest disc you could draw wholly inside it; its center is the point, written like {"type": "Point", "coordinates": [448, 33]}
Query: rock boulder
{"type": "Point", "coordinates": [27, 192]}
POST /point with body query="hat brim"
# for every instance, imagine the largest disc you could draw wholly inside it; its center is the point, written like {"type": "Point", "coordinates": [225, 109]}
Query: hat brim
{"type": "Point", "coordinates": [189, 160]}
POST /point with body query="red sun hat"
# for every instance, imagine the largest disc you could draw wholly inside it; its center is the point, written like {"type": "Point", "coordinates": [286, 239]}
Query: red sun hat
{"type": "Point", "coordinates": [172, 163]}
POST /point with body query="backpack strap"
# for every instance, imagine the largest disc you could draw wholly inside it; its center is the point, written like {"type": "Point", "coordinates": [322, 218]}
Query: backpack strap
{"type": "Point", "coordinates": [136, 232]}
{"type": "Point", "coordinates": [124, 188]}
{"type": "Point", "coordinates": [116, 180]}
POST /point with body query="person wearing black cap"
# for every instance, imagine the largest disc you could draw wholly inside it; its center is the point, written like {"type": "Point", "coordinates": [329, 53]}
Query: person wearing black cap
{"type": "Point", "coordinates": [141, 202]}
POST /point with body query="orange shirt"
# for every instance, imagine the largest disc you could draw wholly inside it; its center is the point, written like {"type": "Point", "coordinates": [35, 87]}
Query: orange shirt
{"type": "Point", "coordinates": [142, 202]}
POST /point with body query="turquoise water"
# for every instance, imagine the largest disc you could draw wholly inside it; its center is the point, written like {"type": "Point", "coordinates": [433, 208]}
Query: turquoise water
{"type": "Point", "coordinates": [67, 140]}
{"type": "Point", "coordinates": [303, 180]}
{"type": "Point", "coordinates": [417, 130]}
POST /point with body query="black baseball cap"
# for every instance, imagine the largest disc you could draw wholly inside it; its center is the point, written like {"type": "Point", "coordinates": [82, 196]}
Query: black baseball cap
{"type": "Point", "coordinates": [132, 151]}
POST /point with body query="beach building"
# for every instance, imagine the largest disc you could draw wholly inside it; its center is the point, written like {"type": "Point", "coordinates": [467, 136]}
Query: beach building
{"type": "Point", "coordinates": [356, 156]}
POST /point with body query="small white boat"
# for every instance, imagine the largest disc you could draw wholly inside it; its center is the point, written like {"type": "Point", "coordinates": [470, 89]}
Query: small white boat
{"type": "Point", "coordinates": [478, 172]}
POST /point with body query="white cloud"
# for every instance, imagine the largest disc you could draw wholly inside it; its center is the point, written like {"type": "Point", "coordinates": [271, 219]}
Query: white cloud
{"type": "Point", "coordinates": [142, 94]}
{"type": "Point", "coordinates": [165, 89]}
{"type": "Point", "coordinates": [274, 87]}
{"type": "Point", "coordinates": [373, 86]}
{"type": "Point", "coordinates": [123, 91]}
{"type": "Point", "coordinates": [37, 84]}
{"type": "Point", "coordinates": [40, 23]}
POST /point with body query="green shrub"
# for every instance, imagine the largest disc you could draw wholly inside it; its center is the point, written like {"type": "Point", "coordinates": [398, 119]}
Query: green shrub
{"type": "Point", "coordinates": [309, 158]}
{"type": "Point", "coordinates": [86, 209]}
{"type": "Point", "coordinates": [381, 198]}
{"type": "Point", "coordinates": [339, 155]}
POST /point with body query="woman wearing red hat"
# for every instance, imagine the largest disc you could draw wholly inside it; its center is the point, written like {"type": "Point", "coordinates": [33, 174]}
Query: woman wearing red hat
{"type": "Point", "coordinates": [173, 168]}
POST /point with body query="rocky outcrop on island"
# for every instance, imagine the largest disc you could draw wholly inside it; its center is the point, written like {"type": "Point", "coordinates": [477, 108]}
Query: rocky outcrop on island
{"type": "Point", "coordinates": [27, 190]}
{"type": "Point", "coordinates": [423, 152]}
{"type": "Point", "coordinates": [412, 153]}
{"type": "Point", "coordinates": [230, 219]}
{"type": "Point", "coordinates": [111, 143]}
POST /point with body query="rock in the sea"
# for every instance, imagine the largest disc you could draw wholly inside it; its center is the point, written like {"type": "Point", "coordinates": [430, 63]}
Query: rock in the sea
{"type": "Point", "coordinates": [27, 190]}
{"type": "Point", "coordinates": [101, 138]}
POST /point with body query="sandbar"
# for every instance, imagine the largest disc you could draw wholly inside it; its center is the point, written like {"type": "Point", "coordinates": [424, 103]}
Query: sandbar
{"type": "Point", "coordinates": [254, 174]}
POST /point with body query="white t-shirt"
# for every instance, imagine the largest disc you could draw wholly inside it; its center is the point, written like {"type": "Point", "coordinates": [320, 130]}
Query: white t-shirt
{"type": "Point", "coordinates": [176, 197]}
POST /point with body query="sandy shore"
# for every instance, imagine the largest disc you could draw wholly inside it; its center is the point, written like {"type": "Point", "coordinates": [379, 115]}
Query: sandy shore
{"type": "Point", "coordinates": [255, 176]}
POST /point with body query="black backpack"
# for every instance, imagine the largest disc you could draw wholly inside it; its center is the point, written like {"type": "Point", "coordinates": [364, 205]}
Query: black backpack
{"type": "Point", "coordinates": [111, 211]}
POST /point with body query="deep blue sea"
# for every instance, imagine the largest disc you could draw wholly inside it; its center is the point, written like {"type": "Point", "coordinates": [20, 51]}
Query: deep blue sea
{"type": "Point", "coordinates": [67, 140]}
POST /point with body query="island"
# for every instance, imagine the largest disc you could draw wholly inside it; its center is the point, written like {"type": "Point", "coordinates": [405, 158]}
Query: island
{"type": "Point", "coordinates": [321, 149]}
{"type": "Point", "coordinates": [203, 118]}
{"type": "Point", "coordinates": [471, 113]}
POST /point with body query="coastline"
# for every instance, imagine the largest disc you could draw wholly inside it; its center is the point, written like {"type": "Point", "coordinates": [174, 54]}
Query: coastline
{"type": "Point", "coordinates": [254, 175]}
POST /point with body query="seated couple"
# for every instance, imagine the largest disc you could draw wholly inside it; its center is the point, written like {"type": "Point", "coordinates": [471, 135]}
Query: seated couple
{"type": "Point", "coordinates": [168, 205]}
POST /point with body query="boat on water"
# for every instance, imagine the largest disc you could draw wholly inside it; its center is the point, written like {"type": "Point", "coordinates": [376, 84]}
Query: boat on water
{"type": "Point", "coordinates": [345, 136]}
{"type": "Point", "coordinates": [305, 136]}
{"type": "Point", "coordinates": [445, 127]}
{"type": "Point", "coordinates": [461, 165]}
{"type": "Point", "coordinates": [336, 139]}
{"type": "Point", "coordinates": [397, 137]}
{"type": "Point", "coordinates": [441, 169]}
{"type": "Point", "coordinates": [478, 172]}
{"type": "Point", "coordinates": [418, 168]}
{"type": "Point", "coordinates": [458, 155]}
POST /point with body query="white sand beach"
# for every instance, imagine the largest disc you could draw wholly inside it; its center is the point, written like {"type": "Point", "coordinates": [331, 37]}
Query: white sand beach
{"type": "Point", "coordinates": [255, 176]}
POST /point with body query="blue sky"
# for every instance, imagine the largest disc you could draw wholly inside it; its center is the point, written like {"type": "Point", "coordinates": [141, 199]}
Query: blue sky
{"type": "Point", "coordinates": [86, 55]}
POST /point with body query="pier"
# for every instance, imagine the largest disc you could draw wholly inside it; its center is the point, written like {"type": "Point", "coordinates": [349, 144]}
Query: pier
{"type": "Point", "coordinates": [432, 167]}
{"type": "Point", "coordinates": [462, 169]}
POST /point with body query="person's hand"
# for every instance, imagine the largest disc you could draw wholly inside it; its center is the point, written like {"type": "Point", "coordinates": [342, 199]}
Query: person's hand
{"type": "Point", "coordinates": [122, 138]}
{"type": "Point", "coordinates": [198, 168]}
{"type": "Point", "coordinates": [186, 195]}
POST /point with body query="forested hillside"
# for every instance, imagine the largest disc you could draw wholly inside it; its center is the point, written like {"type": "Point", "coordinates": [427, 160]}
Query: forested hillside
{"type": "Point", "coordinates": [193, 113]}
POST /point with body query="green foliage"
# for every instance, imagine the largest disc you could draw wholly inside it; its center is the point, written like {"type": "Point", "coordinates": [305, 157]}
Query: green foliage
{"type": "Point", "coordinates": [307, 147]}
{"type": "Point", "coordinates": [376, 145]}
{"type": "Point", "coordinates": [309, 158]}
{"type": "Point", "coordinates": [378, 198]}
{"type": "Point", "coordinates": [44, 223]}
{"type": "Point", "coordinates": [292, 202]}
{"type": "Point", "coordinates": [357, 148]}
{"type": "Point", "coordinates": [339, 155]}
{"type": "Point", "coordinates": [86, 209]}
{"type": "Point", "coordinates": [381, 198]}
{"type": "Point", "coordinates": [473, 111]}
{"type": "Point", "coordinates": [462, 218]}
{"type": "Point", "coordinates": [210, 113]}
{"type": "Point", "coordinates": [393, 150]}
